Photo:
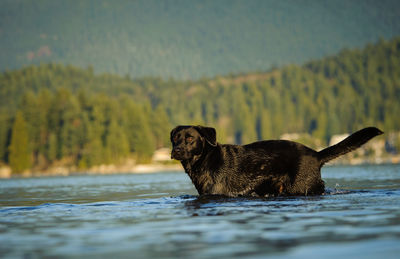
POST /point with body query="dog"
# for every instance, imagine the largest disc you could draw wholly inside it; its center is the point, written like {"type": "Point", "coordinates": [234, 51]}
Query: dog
{"type": "Point", "coordinates": [261, 169]}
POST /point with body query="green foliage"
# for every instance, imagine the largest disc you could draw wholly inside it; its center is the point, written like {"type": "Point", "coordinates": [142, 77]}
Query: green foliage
{"type": "Point", "coordinates": [139, 135]}
{"type": "Point", "coordinates": [79, 129]}
{"type": "Point", "coordinates": [86, 119]}
{"type": "Point", "coordinates": [20, 154]}
{"type": "Point", "coordinates": [160, 125]}
{"type": "Point", "coordinates": [117, 145]}
{"type": "Point", "coordinates": [4, 129]}
{"type": "Point", "coordinates": [51, 147]}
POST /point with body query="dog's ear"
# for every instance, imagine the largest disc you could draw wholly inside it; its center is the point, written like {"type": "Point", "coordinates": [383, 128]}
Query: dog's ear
{"type": "Point", "coordinates": [173, 132]}
{"type": "Point", "coordinates": [209, 134]}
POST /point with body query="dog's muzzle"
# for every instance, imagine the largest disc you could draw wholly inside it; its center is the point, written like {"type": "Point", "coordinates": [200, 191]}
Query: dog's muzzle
{"type": "Point", "coordinates": [176, 153]}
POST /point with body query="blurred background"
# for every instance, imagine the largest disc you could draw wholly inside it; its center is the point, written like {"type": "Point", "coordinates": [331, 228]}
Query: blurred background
{"type": "Point", "coordinates": [85, 84]}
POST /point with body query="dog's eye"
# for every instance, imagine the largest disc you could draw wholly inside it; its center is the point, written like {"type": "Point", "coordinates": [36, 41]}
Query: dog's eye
{"type": "Point", "coordinates": [189, 139]}
{"type": "Point", "coordinates": [175, 139]}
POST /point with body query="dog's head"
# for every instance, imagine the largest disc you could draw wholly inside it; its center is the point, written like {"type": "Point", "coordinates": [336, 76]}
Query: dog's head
{"type": "Point", "coordinates": [189, 142]}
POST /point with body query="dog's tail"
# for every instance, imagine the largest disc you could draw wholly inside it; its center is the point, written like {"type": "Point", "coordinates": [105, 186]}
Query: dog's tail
{"type": "Point", "coordinates": [349, 144]}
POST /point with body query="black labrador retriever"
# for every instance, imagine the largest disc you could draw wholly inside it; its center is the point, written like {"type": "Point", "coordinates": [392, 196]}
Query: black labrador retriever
{"type": "Point", "coordinates": [264, 168]}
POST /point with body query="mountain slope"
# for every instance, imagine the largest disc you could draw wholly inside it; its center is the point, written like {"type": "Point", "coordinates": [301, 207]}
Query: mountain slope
{"type": "Point", "coordinates": [336, 94]}
{"type": "Point", "coordinates": [187, 39]}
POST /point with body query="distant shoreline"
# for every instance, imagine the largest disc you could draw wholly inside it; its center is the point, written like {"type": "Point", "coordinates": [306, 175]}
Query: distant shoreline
{"type": "Point", "coordinates": [5, 172]}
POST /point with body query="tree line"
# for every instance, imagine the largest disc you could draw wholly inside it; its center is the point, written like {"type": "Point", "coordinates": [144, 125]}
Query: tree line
{"type": "Point", "coordinates": [79, 130]}
{"type": "Point", "coordinates": [334, 95]}
{"type": "Point", "coordinates": [73, 116]}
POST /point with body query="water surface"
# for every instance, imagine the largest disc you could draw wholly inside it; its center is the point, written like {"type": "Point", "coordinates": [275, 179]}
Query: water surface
{"type": "Point", "coordinates": [161, 216]}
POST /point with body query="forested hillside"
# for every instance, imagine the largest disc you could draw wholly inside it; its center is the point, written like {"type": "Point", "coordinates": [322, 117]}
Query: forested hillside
{"type": "Point", "coordinates": [73, 117]}
{"type": "Point", "coordinates": [187, 39]}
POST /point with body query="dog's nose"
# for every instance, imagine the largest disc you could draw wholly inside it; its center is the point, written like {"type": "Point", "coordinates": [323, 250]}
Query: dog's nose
{"type": "Point", "coordinates": [175, 151]}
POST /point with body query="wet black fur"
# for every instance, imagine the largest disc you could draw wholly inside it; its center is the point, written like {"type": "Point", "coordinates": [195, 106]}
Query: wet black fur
{"type": "Point", "coordinates": [272, 167]}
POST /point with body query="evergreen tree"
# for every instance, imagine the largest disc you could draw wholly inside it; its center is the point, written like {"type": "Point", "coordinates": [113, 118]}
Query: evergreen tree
{"type": "Point", "coordinates": [44, 102]}
{"type": "Point", "coordinates": [92, 154]}
{"type": "Point", "coordinates": [51, 150]}
{"type": "Point", "coordinates": [117, 145]}
{"type": "Point", "coordinates": [19, 150]}
{"type": "Point", "coordinates": [160, 126]}
{"type": "Point", "coordinates": [139, 135]}
{"type": "Point", "coordinates": [4, 129]}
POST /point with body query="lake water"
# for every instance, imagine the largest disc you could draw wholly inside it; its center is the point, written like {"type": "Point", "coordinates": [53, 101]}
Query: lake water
{"type": "Point", "coordinates": [161, 216]}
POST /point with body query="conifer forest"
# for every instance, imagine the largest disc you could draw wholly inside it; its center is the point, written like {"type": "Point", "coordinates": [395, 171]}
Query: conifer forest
{"type": "Point", "coordinates": [60, 114]}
